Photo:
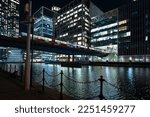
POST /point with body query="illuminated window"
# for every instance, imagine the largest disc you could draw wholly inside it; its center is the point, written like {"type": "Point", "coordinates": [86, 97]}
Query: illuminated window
{"type": "Point", "coordinates": [86, 20]}
{"type": "Point", "coordinates": [122, 22]}
{"type": "Point", "coordinates": [87, 28]}
{"type": "Point", "coordinates": [71, 10]}
{"type": "Point", "coordinates": [146, 38]}
{"type": "Point", "coordinates": [79, 26]}
{"type": "Point", "coordinates": [80, 10]}
{"type": "Point", "coordinates": [68, 12]}
{"type": "Point", "coordinates": [79, 5]}
{"type": "Point", "coordinates": [75, 35]}
{"type": "Point", "coordinates": [79, 38]}
{"type": "Point", "coordinates": [87, 25]}
{"type": "Point", "coordinates": [127, 34]}
{"type": "Point", "coordinates": [123, 28]}
{"type": "Point", "coordinates": [79, 18]}
{"type": "Point", "coordinates": [79, 43]}
{"type": "Point", "coordinates": [104, 33]}
{"type": "Point", "coordinates": [71, 14]}
{"type": "Point", "coordinates": [79, 34]}
{"type": "Point", "coordinates": [75, 20]}
{"type": "Point", "coordinates": [86, 13]}
{"type": "Point", "coordinates": [76, 15]}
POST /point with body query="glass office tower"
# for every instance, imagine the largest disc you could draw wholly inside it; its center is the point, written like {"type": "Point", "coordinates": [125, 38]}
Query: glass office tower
{"type": "Point", "coordinates": [43, 25]}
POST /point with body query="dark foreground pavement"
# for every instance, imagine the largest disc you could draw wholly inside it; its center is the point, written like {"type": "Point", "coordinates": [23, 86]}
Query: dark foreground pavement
{"type": "Point", "coordinates": [12, 88]}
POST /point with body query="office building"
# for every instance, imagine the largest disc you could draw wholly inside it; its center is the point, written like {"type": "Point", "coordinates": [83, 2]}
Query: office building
{"type": "Point", "coordinates": [55, 8]}
{"type": "Point", "coordinates": [44, 28]}
{"type": "Point", "coordinates": [105, 33]}
{"type": "Point", "coordinates": [134, 37]}
{"type": "Point", "coordinates": [73, 22]}
{"type": "Point", "coordinates": [9, 21]}
{"type": "Point", "coordinates": [9, 18]}
{"type": "Point", "coordinates": [124, 31]}
{"type": "Point", "coordinates": [43, 25]}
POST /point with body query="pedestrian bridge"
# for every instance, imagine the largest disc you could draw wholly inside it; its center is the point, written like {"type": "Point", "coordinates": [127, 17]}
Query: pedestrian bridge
{"type": "Point", "coordinates": [50, 45]}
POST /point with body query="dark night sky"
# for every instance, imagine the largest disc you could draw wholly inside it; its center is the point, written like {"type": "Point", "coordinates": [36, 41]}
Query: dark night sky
{"type": "Point", "coordinates": [104, 5]}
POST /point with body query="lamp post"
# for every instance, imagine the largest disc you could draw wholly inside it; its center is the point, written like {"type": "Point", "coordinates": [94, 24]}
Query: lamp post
{"type": "Point", "coordinates": [28, 10]}
{"type": "Point", "coordinates": [31, 77]}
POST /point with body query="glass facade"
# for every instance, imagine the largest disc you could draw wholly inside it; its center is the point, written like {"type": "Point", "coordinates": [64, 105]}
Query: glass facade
{"type": "Point", "coordinates": [43, 25]}
{"type": "Point", "coordinates": [73, 23]}
{"type": "Point", "coordinates": [124, 31]}
{"type": "Point", "coordinates": [105, 33]}
{"type": "Point", "coordinates": [9, 17]}
{"type": "Point", "coordinates": [134, 35]}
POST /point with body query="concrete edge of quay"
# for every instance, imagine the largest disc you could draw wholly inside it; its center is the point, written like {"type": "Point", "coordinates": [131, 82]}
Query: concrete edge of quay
{"type": "Point", "coordinates": [121, 64]}
{"type": "Point", "coordinates": [113, 64]}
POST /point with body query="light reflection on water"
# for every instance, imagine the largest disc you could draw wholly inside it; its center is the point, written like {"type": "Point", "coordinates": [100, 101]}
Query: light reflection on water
{"type": "Point", "coordinates": [131, 83]}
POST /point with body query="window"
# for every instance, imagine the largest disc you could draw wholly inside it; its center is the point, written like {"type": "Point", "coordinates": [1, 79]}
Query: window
{"type": "Point", "coordinates": [122, 22]}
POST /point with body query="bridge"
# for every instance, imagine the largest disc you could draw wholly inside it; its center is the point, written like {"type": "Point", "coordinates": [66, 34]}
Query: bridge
{"type": "Point", "coordinates": [50, 46]}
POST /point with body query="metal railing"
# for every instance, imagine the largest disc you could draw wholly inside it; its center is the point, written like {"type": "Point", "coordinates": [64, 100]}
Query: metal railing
{"type": "Point", "coordinates": [14, 70]}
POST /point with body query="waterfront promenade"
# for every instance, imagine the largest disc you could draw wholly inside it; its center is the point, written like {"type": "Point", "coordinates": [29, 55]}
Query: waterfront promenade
{"type": "Point", "coordinates": [11, 88]}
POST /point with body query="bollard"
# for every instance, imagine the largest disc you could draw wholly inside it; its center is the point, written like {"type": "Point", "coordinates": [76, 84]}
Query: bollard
{"type": "Point", "coordinates": [101, 88]}
{"type": "Point", "coordinates": [43, 86]}
{"type": "Point", "coordinates": [61, 86]}
{"type": "Point", "coordinates": [21, 73]}
{"type": "Point", "coordinates": [15, 68]}
{"type": "Point", "coordinates": [2, 67]}
{"type": "Point", "coordinates": [10, 69]}
{"type": "Point", "coordinates": [6, 68]}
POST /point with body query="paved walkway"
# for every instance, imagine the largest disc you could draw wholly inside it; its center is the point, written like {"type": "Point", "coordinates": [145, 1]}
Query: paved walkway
{"type": "Point", "coordinates": [13, 89]}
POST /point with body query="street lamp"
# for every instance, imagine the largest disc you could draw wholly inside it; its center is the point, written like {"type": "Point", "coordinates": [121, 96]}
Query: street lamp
{"type": "Point", "coordinates": [28, 11]}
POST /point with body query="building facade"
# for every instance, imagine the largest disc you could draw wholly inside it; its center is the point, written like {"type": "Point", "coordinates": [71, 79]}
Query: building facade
{"type": "Point", "coordinates": [9, 17]}
{"type": "Point", "coordinates": [9, 22]}
{"type": "Point", "coordinates": [73, 23]}
{"type": "Point", "coordinates": [124, 31]}
{"type": "Point", "coordinates": [105, 33]}
{"type": "Point", "coordinates": [134, 39]}
{"type": "Point", "coordinates": [43, 25]}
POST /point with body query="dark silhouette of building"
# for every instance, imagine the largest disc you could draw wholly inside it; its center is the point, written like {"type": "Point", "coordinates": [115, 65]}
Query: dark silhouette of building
{"type": "Point", "coordinates": [134, 42]}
